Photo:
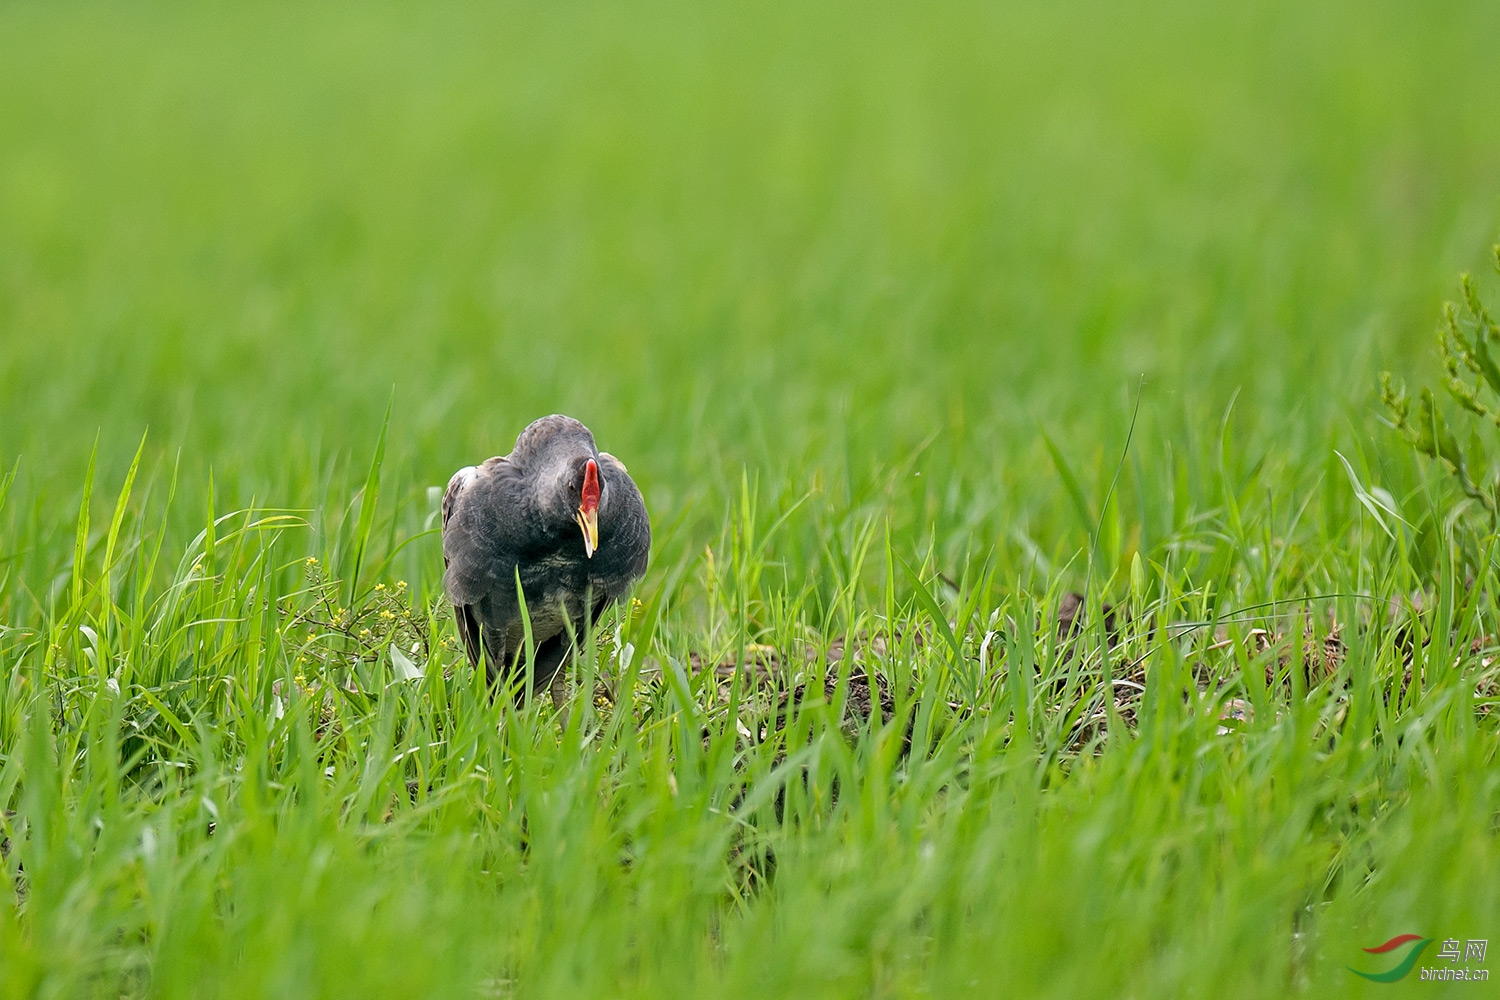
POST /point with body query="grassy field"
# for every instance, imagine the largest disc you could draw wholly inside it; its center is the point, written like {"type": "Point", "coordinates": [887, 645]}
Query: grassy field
{"type": "Point", "coordinates": [909, 320]}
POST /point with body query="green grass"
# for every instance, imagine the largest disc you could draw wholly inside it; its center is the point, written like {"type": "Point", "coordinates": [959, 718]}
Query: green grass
{"type": "Point", "coordinates": [867, 299]}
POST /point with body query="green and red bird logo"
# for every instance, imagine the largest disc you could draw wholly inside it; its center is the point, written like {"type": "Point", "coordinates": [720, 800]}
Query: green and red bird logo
{"type": "Point", "coordinates": [1401, 968]}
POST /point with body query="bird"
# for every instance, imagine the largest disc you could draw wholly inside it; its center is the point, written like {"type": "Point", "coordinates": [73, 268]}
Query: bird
{"type": "Point", "coordinates": [560, 518]}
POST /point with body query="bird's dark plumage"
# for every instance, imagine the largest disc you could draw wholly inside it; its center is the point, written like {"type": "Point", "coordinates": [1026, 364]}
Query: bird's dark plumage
{"type": "Point", "coordinates": [527, 513]}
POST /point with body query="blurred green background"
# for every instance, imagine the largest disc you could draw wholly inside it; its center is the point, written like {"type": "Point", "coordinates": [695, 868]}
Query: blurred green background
{"type": "Point", "coordinates": [793, 236]}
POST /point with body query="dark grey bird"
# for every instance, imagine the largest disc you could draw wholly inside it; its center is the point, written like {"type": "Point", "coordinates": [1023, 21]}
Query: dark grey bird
{"type": "Point", "coordinates": [561, 516]}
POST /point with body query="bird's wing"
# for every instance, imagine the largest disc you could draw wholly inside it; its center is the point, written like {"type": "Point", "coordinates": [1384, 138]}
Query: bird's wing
{"type": "Point", "coordinates": [468, 630]}
{"type": "Point", "coordinates": [472, 541]}
{"type": "Point", "coordinates": [633, 526]}
{"type": "Point", "coordinates": [463, 613]}
{"type": "Point", "coordinates": [462, 478]}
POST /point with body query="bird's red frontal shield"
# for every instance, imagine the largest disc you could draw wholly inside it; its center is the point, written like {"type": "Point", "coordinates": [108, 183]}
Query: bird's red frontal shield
{"type": "Point", "coordinates": [588, 508]}
{"type": "Point", "coordinates": [590, 487]}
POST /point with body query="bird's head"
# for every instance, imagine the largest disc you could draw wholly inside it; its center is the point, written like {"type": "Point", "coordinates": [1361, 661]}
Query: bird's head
{"type": "Point", "coordinates": [572, 486]}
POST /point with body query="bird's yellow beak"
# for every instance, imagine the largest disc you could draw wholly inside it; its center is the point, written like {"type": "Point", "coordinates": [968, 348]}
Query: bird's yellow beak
{"type": "Point", "coordinates": [588, 522]}
{"type": "Point", "coordinates": [588, 510]}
